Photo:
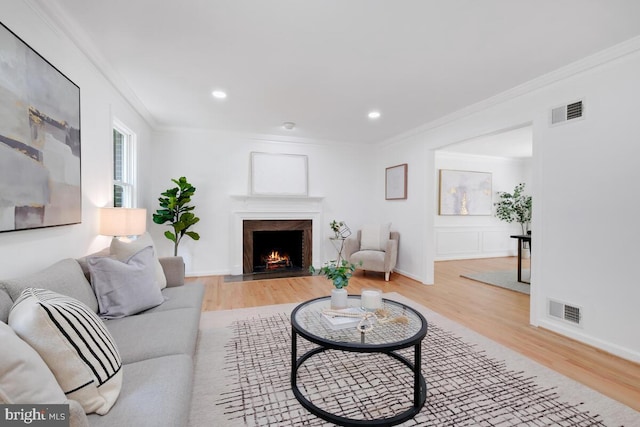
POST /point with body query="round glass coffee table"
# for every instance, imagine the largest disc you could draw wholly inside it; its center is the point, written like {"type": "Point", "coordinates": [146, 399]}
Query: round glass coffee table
{"type": "Point", "coordinates": [407, 329]}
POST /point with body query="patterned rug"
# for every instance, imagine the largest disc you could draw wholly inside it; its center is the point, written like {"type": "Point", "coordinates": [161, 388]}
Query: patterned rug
{"type": "Point", "coordinates": [243, 368]}
{"type": "Point", "coordinates": [504, 278]}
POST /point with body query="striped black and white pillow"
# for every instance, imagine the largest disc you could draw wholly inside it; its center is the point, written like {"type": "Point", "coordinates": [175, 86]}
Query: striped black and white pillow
{"type": "Point", "coordinates": [74, 343]}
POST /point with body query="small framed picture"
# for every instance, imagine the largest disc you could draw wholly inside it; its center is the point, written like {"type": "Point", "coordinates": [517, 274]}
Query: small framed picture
{"type": "Point", "coordinates": [396, 182]}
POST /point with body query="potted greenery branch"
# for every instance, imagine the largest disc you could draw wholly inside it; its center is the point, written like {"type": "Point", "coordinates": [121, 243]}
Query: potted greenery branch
{"type": "Point", "coordinates": [339, 273]}
{"type": "Point", "coordinates": [177, 213]}
{"type": "Point", "coordinates": [335, 227]}
{"type": "Point", "coordinates": [515, 207]}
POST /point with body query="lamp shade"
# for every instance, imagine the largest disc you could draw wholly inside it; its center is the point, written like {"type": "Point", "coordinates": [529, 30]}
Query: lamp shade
{"type": "Point", "coordinates": [123, 221]}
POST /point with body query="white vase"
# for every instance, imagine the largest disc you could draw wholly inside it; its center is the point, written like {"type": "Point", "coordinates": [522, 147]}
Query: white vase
{"type": "Point", "coordinates": [338, 299]}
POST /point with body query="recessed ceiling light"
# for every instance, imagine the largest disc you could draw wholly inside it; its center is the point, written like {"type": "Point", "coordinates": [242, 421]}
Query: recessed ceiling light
{"type": "Point", "coordinates": [374, 114]}
{"type": "Point", "coordinates": [219, 94]}
{"type": "Point", "coordinates": [288, 125]}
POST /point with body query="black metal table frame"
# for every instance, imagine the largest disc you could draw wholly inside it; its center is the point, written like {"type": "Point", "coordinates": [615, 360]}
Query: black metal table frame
{"type": "Point", "coordinates": [521, 240]}
{"type": "Point", "coordinates": [419, 383]}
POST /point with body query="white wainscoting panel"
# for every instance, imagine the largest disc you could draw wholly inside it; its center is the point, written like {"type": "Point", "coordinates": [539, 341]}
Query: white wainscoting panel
{"type": "Point", "coordinates": [474, 242]}
{"type": "Point", "coordinates": [457, 242]}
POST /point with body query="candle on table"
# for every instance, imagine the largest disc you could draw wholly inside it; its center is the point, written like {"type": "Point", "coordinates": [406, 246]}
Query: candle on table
{"type": "Point", "coordinates": [371, 299]}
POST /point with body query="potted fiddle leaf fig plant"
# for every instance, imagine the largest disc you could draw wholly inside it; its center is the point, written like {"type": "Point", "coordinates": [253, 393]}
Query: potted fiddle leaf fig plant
{"type": "Point", "coordinates": [175, 210]}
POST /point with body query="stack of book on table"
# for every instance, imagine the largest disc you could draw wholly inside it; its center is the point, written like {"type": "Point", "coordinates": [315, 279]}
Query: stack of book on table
{"type": "Point", "coordinates": [337, 322]}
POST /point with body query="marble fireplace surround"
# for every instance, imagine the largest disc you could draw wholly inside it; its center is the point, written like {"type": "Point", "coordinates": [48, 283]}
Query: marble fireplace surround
{"type": "Point", "coordinates": [273, 208]}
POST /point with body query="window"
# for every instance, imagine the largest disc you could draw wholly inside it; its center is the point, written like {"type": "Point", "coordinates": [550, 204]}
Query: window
{"type": "Point", "coordinates": [123, 167]}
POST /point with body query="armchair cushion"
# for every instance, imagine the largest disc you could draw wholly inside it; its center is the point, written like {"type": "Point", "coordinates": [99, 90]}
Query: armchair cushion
{"type": "Point", "coordinates": [374, 237]}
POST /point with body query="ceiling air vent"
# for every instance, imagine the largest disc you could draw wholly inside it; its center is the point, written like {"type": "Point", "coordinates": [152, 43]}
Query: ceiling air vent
{"type": "Point", "coordinates": [568, 313]}
{"type": "Point", "coordinates": [566, 112]}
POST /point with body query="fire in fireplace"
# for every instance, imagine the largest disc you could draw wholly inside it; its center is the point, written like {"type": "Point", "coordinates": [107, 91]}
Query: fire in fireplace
{"type": "Point", "coordinates": [275, 246]}
{"type": "Point", "coordinates": [274, 261]}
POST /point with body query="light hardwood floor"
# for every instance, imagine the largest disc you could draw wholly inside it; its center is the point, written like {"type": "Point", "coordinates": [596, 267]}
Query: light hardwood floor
{"type": "Point", "coordinates": [496, 313]}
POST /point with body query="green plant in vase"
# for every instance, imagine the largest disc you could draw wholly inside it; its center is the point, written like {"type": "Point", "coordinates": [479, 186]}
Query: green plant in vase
{"type": "Point", "coordinates": [339, 273]}
{"type": "Point", "coordinates": [335, 227]}
{"type": "Point", "coordinates": [515, 207]}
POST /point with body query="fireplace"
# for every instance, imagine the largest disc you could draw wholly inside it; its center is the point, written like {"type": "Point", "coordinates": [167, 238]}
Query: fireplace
{"type": "Point", "coordinates": [276, 246]}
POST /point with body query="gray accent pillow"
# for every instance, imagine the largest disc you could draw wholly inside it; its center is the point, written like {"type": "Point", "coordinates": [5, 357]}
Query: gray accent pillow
{"type": "Point", "coordinates": [125, 287]}
{"type": "Point", "coordinates": [123, 250]}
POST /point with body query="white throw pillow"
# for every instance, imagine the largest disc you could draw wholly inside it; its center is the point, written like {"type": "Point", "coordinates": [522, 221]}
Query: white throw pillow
{"type": "Point", "coordinates": [74, 343]}
{"type": "Point", "coordinates": [374, 237]}
{"type": "Point", "coordinates": [124, 250]}
{"type": "Point", "coordinates": [24, 377]}
{"type": "Point", "coordinates": [125, 287]}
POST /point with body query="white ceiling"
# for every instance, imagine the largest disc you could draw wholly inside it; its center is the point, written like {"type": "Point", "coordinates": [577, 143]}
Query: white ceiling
{"type": "Point", "coordinates": [324, 64]}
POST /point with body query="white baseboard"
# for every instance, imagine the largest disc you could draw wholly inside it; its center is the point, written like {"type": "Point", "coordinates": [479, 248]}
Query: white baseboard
{"type": "Point", "coordinates": [577, 335]}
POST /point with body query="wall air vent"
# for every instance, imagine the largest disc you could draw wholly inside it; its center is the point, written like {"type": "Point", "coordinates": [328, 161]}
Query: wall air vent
{"type": "Point", "coordinates": [568, 313]}
{"type": "Point", "coordinates": [568, 112]}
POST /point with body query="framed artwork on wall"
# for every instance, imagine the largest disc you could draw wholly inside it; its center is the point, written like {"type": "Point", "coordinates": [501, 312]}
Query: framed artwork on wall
{"type": "Point", "coordinates": [465, 193]}
{"type": "Point", "coordinates": [274, 174]}
{"type": "Point", "coordinates": [39, 140]}
{"type": "Point", "coordinates": [396, 182]}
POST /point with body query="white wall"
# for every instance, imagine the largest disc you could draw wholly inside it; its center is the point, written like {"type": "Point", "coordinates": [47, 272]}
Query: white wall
{"type": "Point", "coordinates": [585, 182]}
{"type": "Point", "coordinates": [218, 165]}
{"type": "Point", "coordinates": [27, 251]}
{"type": "Point", "coordinates": [406, 216]}
{"type": "Point", "coordinates": [481, 236]}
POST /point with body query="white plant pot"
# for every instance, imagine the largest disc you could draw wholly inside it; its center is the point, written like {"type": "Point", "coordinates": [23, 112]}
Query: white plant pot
{"type": "Point", "coordinates": [338, 299]}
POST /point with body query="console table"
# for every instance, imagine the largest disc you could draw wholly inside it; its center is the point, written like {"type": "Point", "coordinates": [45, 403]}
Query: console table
{"type": "Point", "coordinates": [521, 238]}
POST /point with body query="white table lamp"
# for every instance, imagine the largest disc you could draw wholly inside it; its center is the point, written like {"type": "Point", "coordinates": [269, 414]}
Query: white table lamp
{"type": "Point", "coordinates": [123, 221]}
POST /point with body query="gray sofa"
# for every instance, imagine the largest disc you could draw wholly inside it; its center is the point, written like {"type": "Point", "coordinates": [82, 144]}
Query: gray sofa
{"type": "Point", "coordinates": [157, 346]}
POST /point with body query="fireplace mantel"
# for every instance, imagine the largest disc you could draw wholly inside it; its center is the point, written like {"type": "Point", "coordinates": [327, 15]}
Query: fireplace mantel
{"type": "Point", "coordinates": [251, 203]}
{"type": "Point", "coordinates": [249, 207]}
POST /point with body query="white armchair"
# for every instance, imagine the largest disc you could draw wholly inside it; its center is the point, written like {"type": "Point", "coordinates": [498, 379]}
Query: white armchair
{"type": "Point", "coordinates": [373, 248]}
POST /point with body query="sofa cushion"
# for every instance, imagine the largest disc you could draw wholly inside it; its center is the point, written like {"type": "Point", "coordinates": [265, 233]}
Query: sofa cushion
{"type": "Point", "coordinates": [186, 296]}
{"type": "Point", "coordinates": [5, 306]}
{"type": "Point", "coordinates": [374, 237]}
{"type": "Point", "coordinates": [24, 377]}
{"type": "Point", "coordinates": [74, 343]}
{"type": "Point", "coordinates": [155, 392]}
{"type": "Point", "coordinates": [125, 287]}
{"type": "Point", "coordinates": [123, 250]}
{"type": "Point", "coordinates": [148, 335]}
{"type": "Point", "coordinates": [64, 277]}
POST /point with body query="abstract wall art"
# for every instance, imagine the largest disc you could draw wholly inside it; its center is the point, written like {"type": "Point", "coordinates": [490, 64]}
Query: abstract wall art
{"type": "Point", "coordinates": [39, 140]}
{"type": "Point", "coordinates": [465, 193]}
{"type": "Point", "coordinates": [395, 183]}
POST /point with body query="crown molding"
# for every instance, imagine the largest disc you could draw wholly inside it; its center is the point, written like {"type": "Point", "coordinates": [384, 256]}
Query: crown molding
{"type": "Point", "coordinates": [60, 22]}
{"type": "Point", "coordinates": [263, 137]}
{"type": "Point", "coordinates": [592, 61]}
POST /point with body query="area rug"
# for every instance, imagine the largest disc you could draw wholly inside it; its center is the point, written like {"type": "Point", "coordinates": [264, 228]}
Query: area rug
{"type": "Point", "coordinates": [503, 278]}
{"type": "Point", "coordinates": [242, 378]}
